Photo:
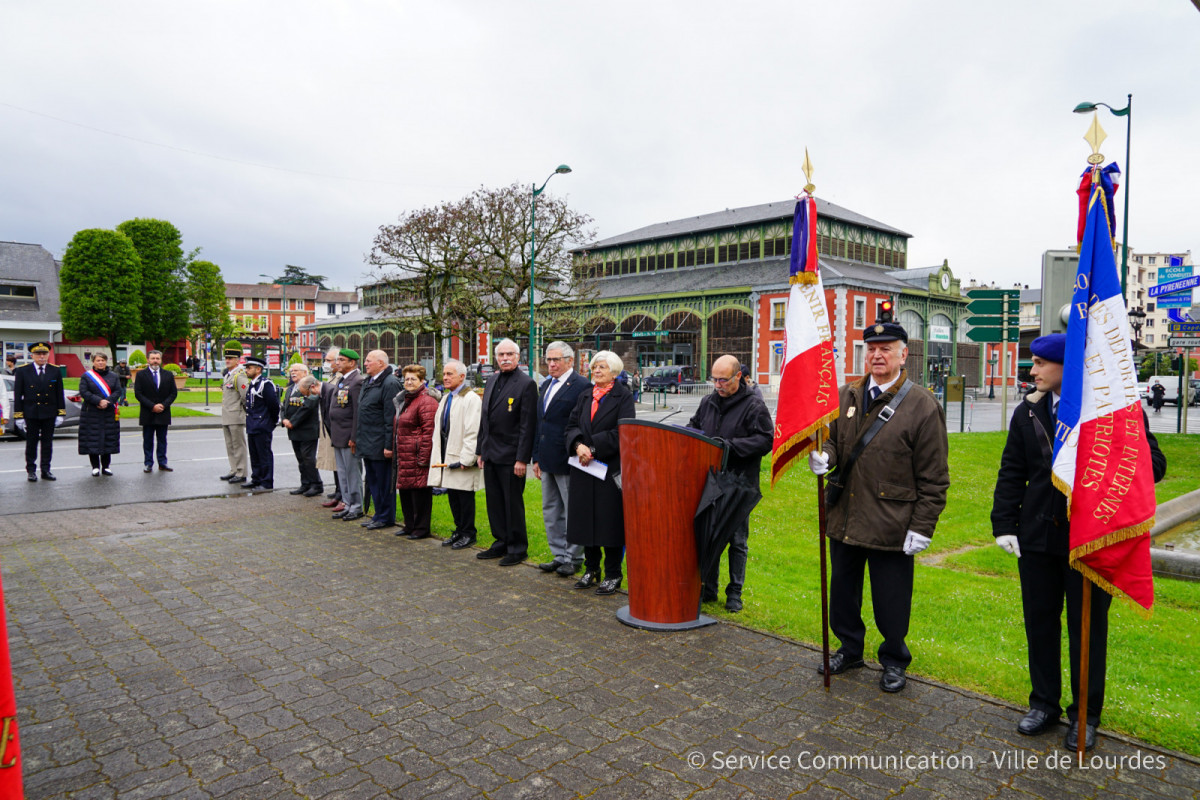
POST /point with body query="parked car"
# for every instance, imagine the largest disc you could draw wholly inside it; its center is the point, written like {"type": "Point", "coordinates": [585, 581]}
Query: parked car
{"type": "Point", "coordinates": [478, 374]}
{"type": "Point", "coordinates": [10, 426]}
{"type": "Point", "coordinates": [669, 379]}
{"type": "Point", "coordinates": [1143, 390]}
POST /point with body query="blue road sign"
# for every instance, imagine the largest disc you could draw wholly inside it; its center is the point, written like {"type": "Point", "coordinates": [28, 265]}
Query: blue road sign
{"type": "Point", "coordinates": [1171, 287]}
{"type": "Point", "coordinates": [1179, 315]}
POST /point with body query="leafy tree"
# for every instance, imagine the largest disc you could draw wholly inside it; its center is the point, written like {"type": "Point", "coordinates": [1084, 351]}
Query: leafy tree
{"type": "Point", "coordinates": [295, 359]}
{"type": "Point", "coordinates": [164, 294]}
{"type": "Point", "coordinates": [100, 288]}
{"type": "Point", "coordinates": [209, 305]}
{"type": "Point", "coordinates": [299, 275]}
{"type": "Point", "coordinates": [137, 358]}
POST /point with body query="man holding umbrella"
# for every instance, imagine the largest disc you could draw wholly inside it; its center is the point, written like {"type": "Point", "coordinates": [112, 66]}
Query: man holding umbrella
{"type": "Point", "coordinates": [738, 416]}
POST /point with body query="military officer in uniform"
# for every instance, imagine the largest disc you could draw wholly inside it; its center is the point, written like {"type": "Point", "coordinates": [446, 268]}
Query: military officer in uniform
{"type": "Point", "coordinates": [38, 408]}
{"type": "Point", "coordinates": [233, 416]}
{"type": "Point", "coordinates": [262, 412]}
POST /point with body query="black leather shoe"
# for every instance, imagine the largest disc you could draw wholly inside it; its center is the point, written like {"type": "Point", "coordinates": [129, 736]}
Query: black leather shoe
{"type": "Point", "coordinates": [147, 469]}
{"type": "Point", "coordinates": [893, 679]}
{"type": "Point", "coordinates": [1071, 740]}
{"type": "Point", "coordinates": [367, 522]}
{"type": "Point", "coordinates": [352, 517]}
{"type": "Point", "coordinates": [251, 485]}
{"type": "Point", "coordinates": [226, 477]}
{"type": "Point", "coordinates": [31, 477]}
{"type": "Point", "coordinates": [609, 586]}
{"type": "Point", "coordinates": [548, 566]}
{"type": "Point", "coordinates": [491, 552]}
{"type": "Point", "coordinates": [106, 472]}
{"type": "Point", "coordinates": [374, 526]}
{"type": "Point", "coordinates": [463, 543]}
{"type": "Point", "coordinates": [333, 496]}
{"type": "Point", "coordinates": [340, 514]}
{"type": "Point", "coordinates": [708, 597]}
{"type": "Point", "coordinates": [314, 491]}
{"type": "Point", "coordinates": [301, 490]}
{"type": "Point", "coordinates": [733, 604]}
{"type": "Point", "coordinates": [588, 579]}
{"type": "Point", "coordinates": [415, 536]}
{"type": "Point", "coordinates": [448, 542]}
{"type": "Point", "coordinates": [47, 475]}
{"type": "Point", "coordinates": [165, 468]}
{"type": "Point", "coordinates": [838, 663]}
{"type": "Point", "coordinates": [567, 570]}
{"type": "Point", "coordinates": [235, 481]}
{"type": "Point", "coordinates": [511, 560]}
{"type": "Point", "coordinates": [1035, 722]}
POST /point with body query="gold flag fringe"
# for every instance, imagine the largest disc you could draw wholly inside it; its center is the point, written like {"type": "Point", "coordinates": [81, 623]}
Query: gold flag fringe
{"type": "Point", "coordinates": [803, 278]}
{"type": "Point", "coordinates": [1077, 553]}
{"type": "Point", "coordinates": [786, 464]}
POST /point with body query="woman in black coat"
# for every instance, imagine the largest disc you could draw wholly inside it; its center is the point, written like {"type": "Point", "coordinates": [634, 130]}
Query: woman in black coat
{"type": "Point", "coordinates": [596, 519]}
{"type": "Point", "coordinates": [99, 429]}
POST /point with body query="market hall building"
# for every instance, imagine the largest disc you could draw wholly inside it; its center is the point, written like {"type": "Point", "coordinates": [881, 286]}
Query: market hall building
{"type": "Point", "coordinates": [686, 291]}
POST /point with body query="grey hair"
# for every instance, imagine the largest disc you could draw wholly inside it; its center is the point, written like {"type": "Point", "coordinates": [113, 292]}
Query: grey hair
{"type": "Point", "coordinates": [561, 347]}
{"type": "Point", "coordinates": [307, 382]}
{"type": "Point", "coordinates": [333, 351]}
{"type": "Point", "coordinates": [614, 361]}
{"type": "Point", "coordinates": [154, 353]}
{"type": "Point", "coordinates": [459, 367]}
{"type": "Point", "coordinates": [298, 364]}
{"type": "Point", "coordinates": [503, 342]}
{"type": "Point", "coordinates": [381, 354]}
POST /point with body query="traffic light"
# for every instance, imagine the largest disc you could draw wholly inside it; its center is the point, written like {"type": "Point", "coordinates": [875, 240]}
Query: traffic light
{"type": "Point", "coordinates": [885, 311]}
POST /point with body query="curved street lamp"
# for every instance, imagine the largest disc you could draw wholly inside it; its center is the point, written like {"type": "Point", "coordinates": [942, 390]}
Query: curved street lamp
{"type": "Point", "coordinates": [562, 169]}
{"type": "Point", "coordinates": [1086, 108]}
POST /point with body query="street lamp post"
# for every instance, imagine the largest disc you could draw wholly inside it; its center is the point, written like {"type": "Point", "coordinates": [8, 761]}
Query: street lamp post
{"type": "Point", "coordinates": [562, 169]}
{"type": "Point", "coordinates": [992, 361]}
{"type": "Point", "coordinates": [1084, 108]}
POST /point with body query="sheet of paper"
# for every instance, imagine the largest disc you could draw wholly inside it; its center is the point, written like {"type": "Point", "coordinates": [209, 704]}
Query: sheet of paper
{"type": "Point", "coordinates": [597, 469]}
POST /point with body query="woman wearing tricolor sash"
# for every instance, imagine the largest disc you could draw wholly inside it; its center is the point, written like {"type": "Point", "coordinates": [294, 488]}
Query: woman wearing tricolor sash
{"type": "Point", "coordinates": [99, 428]}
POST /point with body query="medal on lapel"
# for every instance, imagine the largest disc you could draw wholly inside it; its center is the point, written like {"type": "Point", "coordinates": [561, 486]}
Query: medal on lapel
{"type": "Point", "coordinates": [510, 402]}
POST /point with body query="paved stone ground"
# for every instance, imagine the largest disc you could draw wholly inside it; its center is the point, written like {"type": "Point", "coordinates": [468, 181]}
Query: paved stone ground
{"type": "Point", "coordinates": [188, 651]}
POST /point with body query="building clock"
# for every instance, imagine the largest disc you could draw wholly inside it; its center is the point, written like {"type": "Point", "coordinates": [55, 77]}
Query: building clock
{"type": "Point", "coordinates": [945, 281]}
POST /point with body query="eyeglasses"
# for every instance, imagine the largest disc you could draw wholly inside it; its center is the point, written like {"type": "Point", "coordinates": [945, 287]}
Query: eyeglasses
{"type": "Point", "coordinates": [554, 360]}
{"type": "Point", "coordinates": [720, 381]}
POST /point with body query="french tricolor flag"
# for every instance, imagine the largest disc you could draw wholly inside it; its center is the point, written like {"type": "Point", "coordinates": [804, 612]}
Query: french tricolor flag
{"type": "Point", "coordinates": [1101, 456]}
{"type": "Point", "coordinates": [808, 390]}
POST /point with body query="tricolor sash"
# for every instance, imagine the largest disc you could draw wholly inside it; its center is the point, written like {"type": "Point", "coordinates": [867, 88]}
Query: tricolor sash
{"type": "Point", "coordinates": [101, 384]}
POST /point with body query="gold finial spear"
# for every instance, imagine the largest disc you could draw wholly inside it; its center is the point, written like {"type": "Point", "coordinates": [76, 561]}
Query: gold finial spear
{"type": "Point", "coordinates": [808, 171]}
{"type": "Point", "coordinates": [1095, 137]}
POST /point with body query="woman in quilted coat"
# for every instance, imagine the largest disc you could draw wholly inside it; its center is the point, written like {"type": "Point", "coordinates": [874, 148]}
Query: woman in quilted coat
{"type": "Point", "coordinates": [99, 428]}
{"type": "Point", "coordinates": [416, 411]}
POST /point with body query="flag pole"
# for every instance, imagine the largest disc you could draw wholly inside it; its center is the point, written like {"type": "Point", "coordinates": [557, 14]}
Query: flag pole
{"type": "Point", "coordinates": [824, 583]}
{"type": "Point", "coordinates": [1085, 651]}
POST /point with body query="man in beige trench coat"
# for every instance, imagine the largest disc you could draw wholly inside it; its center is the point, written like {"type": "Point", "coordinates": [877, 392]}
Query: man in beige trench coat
{"type": "Point", "coordinates": [455, 433]}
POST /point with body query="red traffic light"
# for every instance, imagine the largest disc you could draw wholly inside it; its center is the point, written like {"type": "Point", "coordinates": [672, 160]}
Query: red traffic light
{"type": "Point", "coordinates": [885, 311]}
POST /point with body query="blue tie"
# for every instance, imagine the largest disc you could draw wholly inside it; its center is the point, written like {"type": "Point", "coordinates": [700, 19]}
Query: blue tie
{"type": "Point", "coordinates": [446, 413]}
{"type": "Point", "coordinates": [549, 389]}
{"type": "Point", "coordinates": [875, 392]}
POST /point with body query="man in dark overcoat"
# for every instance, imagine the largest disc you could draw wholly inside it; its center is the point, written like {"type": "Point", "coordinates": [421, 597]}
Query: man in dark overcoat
{"type": "Point", "coordinates": [343, 416]}
{"type": "Point", "coordinates": [38, 408]}
{"type": "Point", "coordinates": [262, 413]}
{"type": "Point", "coordinates": [735, 413]}
{"type": "Point", "coordinates": [1029, 520]}
{"type": "Point", "coordinates": [154, 389]}
{"type": "Point", "coordinates": [373, 432]}
{"type": "Point", "coordinates": [890, 500]}
{"type": "Point", "coordinates": [302, 418]}
{"type": "Point", "coordinates": [507, 425]}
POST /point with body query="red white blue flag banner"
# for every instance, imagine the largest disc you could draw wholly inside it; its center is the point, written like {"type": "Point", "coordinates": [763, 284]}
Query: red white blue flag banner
{"type": "Point", "coordinates": [101, 384]}
{"type": "Point", "coordinates": [1101, 455]}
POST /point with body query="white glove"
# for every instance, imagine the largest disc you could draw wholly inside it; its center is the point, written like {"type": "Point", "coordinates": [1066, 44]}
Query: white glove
{"type": "Point", "coordinates": [20, 425]}
{"type": "Point", "coordinates": [915, 543]}
{"type": "Point", "coordinates": [1009, 544]}
{"type": "Point", "coordinates": [818, 462]}
{"type": "Point", "coordinates": [58, 421]}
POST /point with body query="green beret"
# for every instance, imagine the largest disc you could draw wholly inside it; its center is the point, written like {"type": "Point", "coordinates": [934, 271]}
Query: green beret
{"type": "Point", "coordinates": [346, 352]}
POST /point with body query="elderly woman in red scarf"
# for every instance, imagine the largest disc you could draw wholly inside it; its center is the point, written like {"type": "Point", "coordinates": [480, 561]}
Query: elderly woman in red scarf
{"type": "Point", "coordinates": [596, 519]}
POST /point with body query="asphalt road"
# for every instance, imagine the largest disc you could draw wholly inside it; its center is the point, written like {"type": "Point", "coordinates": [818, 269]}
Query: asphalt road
{"type": "Point", "coordinates": [197, 456]}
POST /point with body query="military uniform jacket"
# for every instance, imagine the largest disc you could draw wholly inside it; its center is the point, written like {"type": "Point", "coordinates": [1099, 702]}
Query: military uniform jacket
{"type": "Point", "coordinates": [508, 421]}
{"type": "Point", "coordinates": [38, 397]}
{"type": "Point", "coordinates": [900, 480]}
{"type": "Point", "coordinates": [304, 414]}
{"type": "Point", "coordinates": [343, 408]}
{"type": "Point", "coordinates": [1025, 503]}
{"type": "Point", "coordinates": [233, 396]}
{"type": "Point", "coordinates": [262, 406]}
{"type": "Point", "coordinates": [148, 396]}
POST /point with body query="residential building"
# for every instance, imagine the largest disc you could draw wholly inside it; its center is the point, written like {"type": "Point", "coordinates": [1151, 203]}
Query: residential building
{"type": "Point", "coordinates": [28, 298]}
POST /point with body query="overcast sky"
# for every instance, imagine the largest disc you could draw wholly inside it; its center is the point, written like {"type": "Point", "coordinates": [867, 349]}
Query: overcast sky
{"type": "Point", "coordinates": [276, 133]}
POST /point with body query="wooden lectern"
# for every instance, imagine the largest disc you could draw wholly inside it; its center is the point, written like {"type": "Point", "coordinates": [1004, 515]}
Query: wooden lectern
{"type": "Point", "coordinates": [663, 470]}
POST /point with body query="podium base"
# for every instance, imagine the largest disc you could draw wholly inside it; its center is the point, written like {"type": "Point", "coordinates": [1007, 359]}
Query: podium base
{"type": "Point", "coordinates": [701, 621]}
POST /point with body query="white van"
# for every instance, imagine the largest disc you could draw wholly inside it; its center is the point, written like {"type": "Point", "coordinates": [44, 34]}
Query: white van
{"type": "Point", "coordinates": [1171, 384]}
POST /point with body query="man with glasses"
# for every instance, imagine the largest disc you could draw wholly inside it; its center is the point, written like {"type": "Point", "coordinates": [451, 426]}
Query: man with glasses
{"type": "Point", "coordinates": [738, 416]}
{"type": "Point", "coordinates": [556, 400]}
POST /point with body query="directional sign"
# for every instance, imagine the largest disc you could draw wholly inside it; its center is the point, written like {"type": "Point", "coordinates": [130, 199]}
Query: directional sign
{"type": "Point", "coordinates": [1185, 327]}
{"type": "Point", "coordinates": [1184, 341]}
{"type": "Point", "coordinates": [993, 321]}
{"type": "Point", "coordinates": [649, 333]}
{"type": "Point", "coordinates": [978, 294]}
{"type": "Point", "coordinates": [1171, 287]}
{"type": "Point", "coordinates": [1179, 315]}
{"type": "Point", "coordinates": [992, 335]}
{"type": "Point", "coordinates": [990, 306]}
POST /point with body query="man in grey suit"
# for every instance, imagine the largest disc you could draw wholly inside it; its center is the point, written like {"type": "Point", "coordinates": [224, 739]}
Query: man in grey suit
{"type": "Point", "coordinates": [556, 400]}
{"type": "Point", "coordinates": [343, 417]}
{"type": "Point", "coordinates": [233, 416]}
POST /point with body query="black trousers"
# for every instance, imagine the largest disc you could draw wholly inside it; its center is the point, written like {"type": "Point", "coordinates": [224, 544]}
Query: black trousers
{"type": "Point", "coordinates": [306, 460]}
{"type": "Point", "coordinates": [416, 505]}
{"type": "Point", "coordinates": [891, 598]}
{"type": "Point", "coordinates": [462, 508]}
{"type": "Point", "coordinates": [506, 507]}
{"type": "Point", "coordinates": [262, 460]}
{"type": "Point", "coordinates": [151, 433]}
{"type": "Point", "coordinates": [382, 488]}
{"type": "Point", "coordinates": [39, 431]}
{"type": "Point", "coordinates": [612, 560]}
{"type": "Point", "coordinates": [1046, 580]}
{"type": "Point", "coordinates": [100, 462]}
{"type": "Point", "coordinates": [738, 552]}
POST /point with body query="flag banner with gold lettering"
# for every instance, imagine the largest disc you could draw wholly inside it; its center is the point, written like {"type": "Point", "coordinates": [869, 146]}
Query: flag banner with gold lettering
{"type": "Point", "coordinates": [10, 746]}
{"type": "Point", "coordinates": [1101, 455]}
{"type": "Point", "coordinates": [808, 391]}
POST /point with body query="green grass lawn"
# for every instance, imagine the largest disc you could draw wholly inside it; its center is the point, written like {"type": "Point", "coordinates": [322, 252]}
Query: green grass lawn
{"type": "Point", "coordinates": [967, 626]}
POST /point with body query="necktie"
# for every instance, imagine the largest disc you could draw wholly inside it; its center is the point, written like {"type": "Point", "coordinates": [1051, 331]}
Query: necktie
{"type": "Point", "coordinates": [875, 392]}
{"type": "Point", "coordinates": [549, 392]}
{"type": "Point", "coordinates": [446, 414]}
{"type": "Point", "coordinates": [41, 372]}
{"type": "Point", "coordinates": [154, 372]}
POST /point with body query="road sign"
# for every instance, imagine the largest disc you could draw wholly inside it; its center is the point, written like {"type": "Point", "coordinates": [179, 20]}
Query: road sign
{"type": "Point", "coordinates": [1179, 315]}
{"type": "Point", "coordinates": [1185, 327]}
{"type": "Point", "coordinates": [989, 335]}
{"type": "Point", "coordinates": [1184, 341]}
{"type": "Point", "coordinates": [990, 306]}
{"type": "Point", "coordinates": [992, 321]}
{"type": "Point", "coordinates": [979, 294]}
{"type": "Point", "coordinates": [1171, 287]}
{"type": "Point", "coordinates": [636, 334]}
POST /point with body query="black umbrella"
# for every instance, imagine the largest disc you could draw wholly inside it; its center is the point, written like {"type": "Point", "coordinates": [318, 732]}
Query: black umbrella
{"type": "Point", "coordinates": [725, 504]}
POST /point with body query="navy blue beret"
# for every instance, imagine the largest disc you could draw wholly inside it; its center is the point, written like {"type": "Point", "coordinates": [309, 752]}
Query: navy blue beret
{"type": "Point", "coordinates": [1052, 347]}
